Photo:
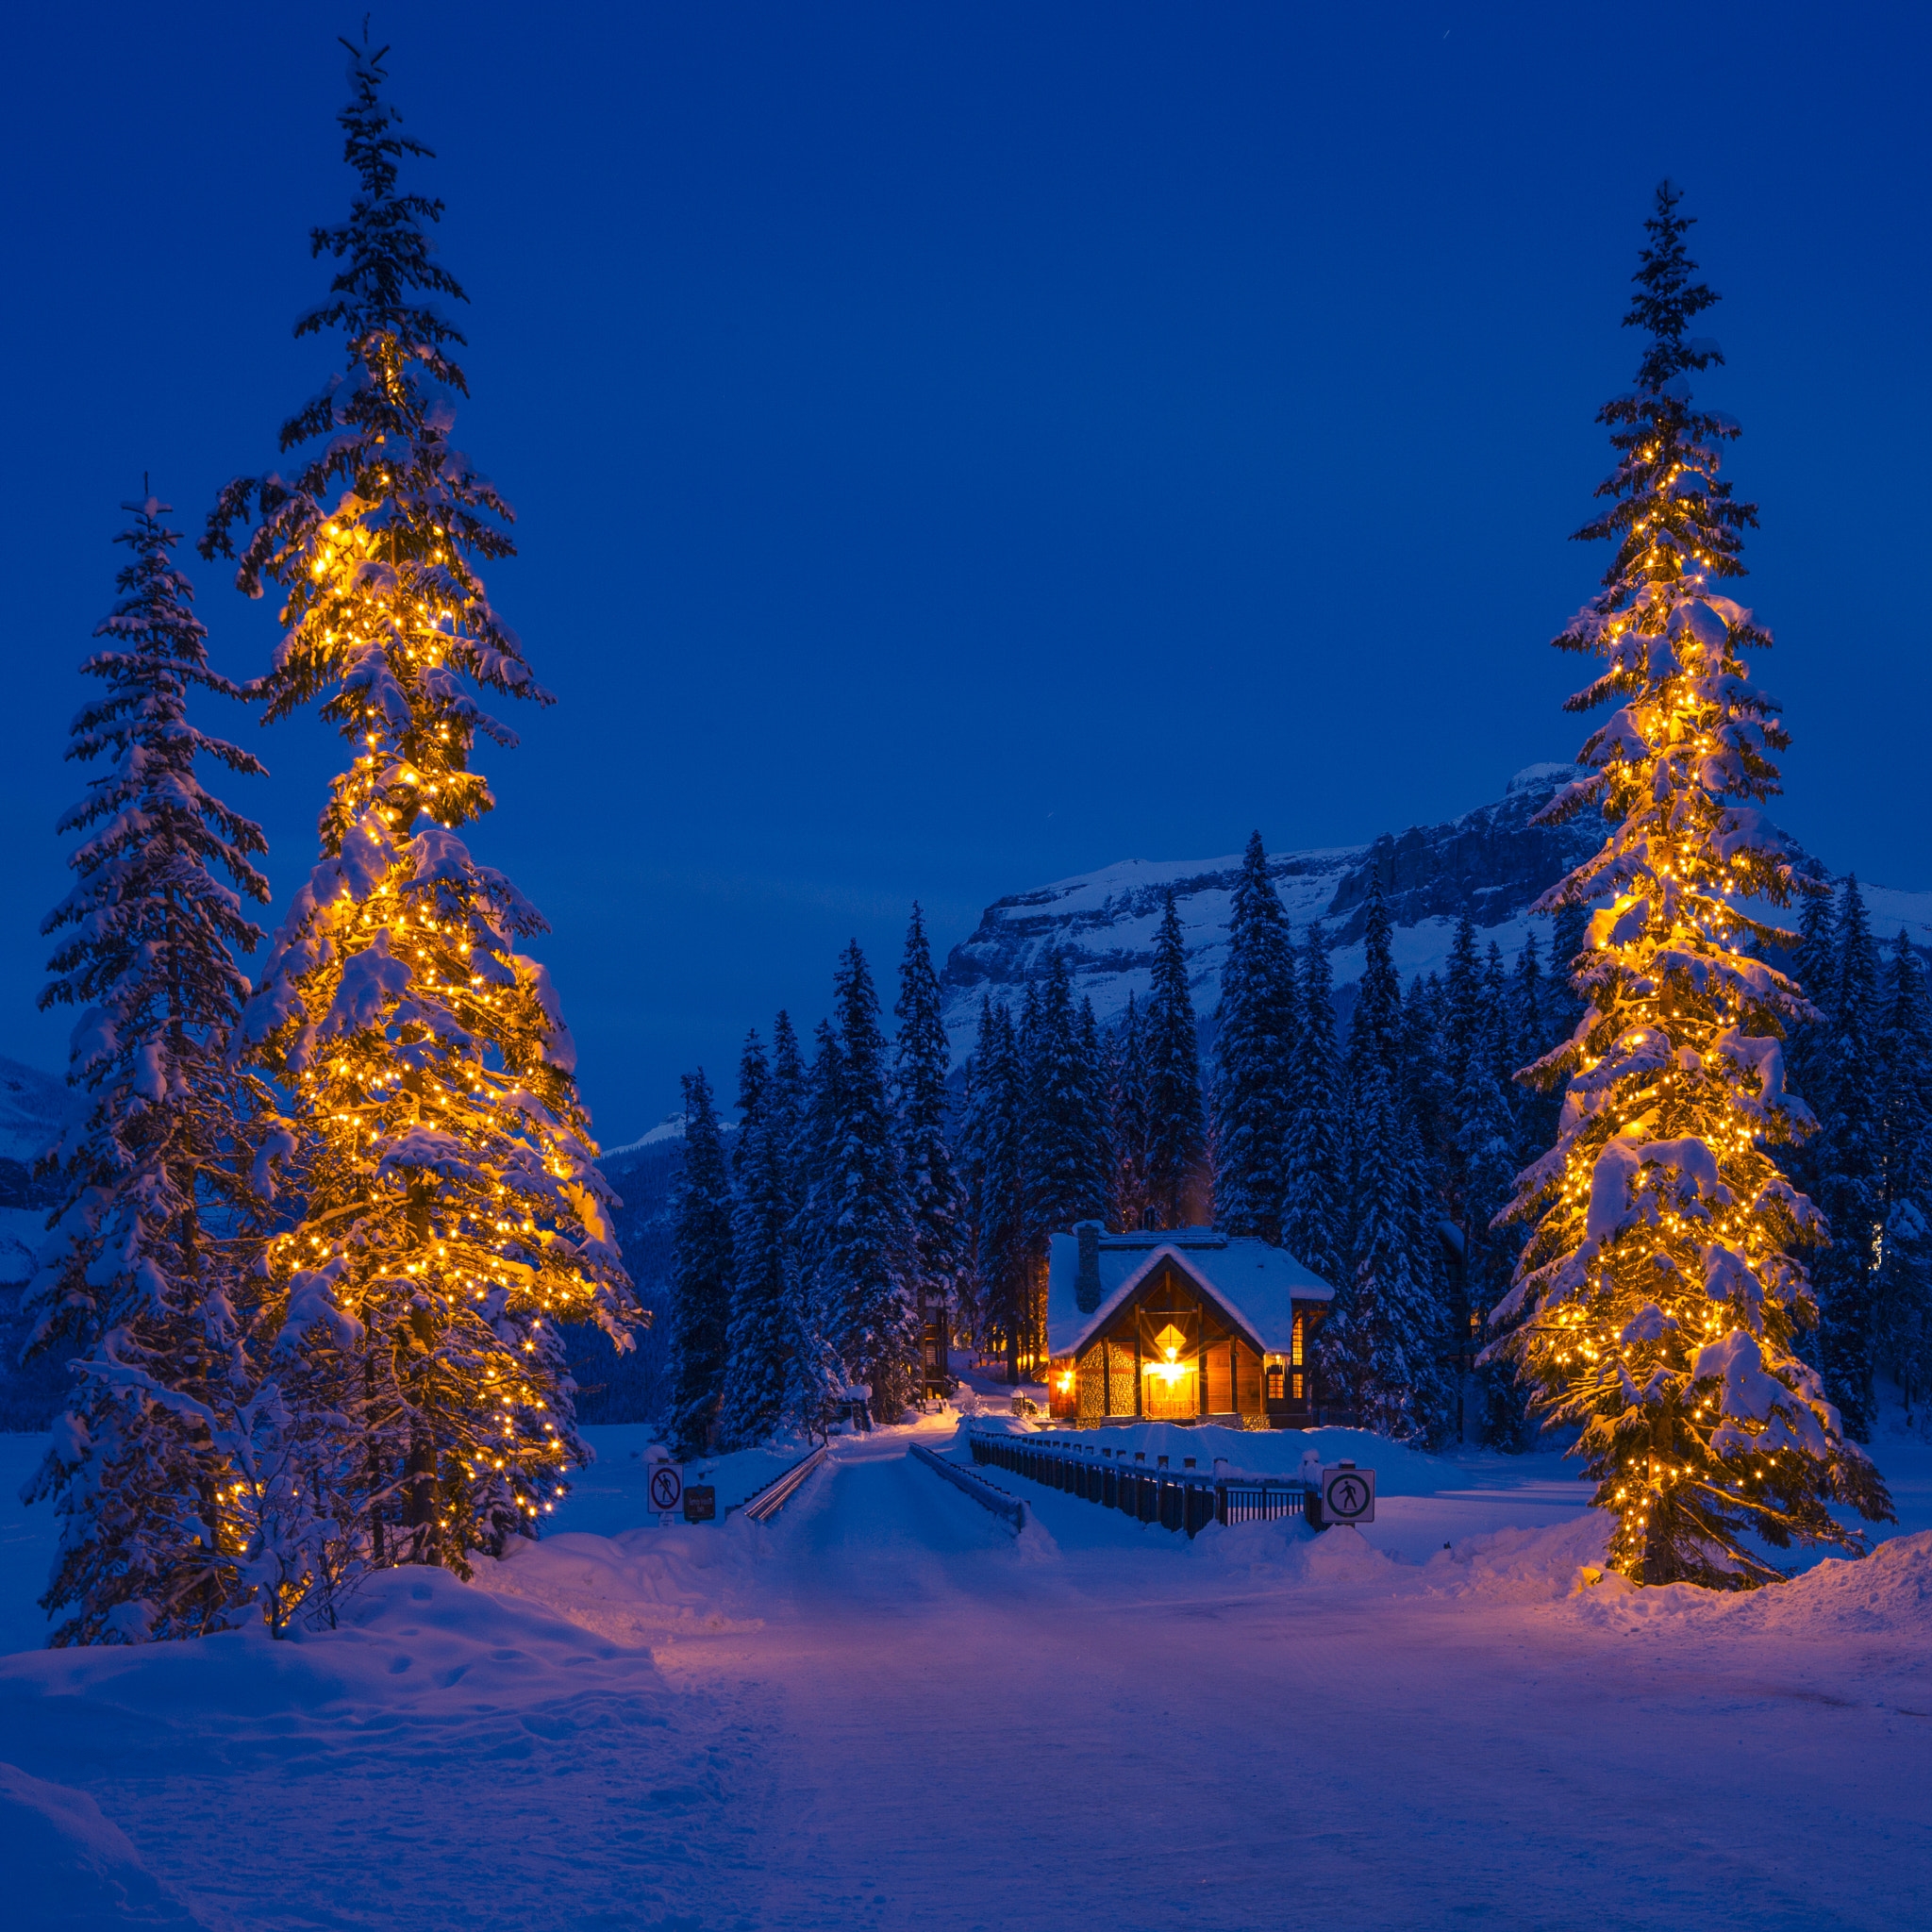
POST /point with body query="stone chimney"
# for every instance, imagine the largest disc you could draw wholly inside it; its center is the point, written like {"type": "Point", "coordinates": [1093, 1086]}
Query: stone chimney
{"type": "Point", "coordinates": [1087, 1283]}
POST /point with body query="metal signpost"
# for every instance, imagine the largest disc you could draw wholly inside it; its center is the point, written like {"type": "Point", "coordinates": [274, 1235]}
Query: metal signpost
{"type": "Point", "coordinates": [1348, 1494]}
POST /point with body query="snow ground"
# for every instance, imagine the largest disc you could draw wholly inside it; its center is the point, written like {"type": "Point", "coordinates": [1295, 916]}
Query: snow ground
{"type": "Point", "coordinates": [883, 1710]}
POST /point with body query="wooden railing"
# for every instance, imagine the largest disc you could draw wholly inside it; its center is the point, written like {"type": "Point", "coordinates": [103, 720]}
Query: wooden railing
{"type": "Point", "coordinates": [1178, 1499]}
{"type": "Point", "coordinates": [765, 1503]}
{"type": "Point", "coordinates": [987, 1495]}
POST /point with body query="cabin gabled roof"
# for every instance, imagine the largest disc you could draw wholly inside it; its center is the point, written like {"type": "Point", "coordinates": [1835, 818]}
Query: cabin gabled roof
{"type": "Point", "coordinates": [1254, 1284]}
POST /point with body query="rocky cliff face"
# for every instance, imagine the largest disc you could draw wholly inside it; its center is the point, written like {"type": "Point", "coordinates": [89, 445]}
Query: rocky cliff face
{"type": "Point", "coordinates": [1491, 862]}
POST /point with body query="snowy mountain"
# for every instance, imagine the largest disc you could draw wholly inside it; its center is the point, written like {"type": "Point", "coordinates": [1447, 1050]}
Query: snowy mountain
{"type": "Point", "coordinates": [1491, 862]}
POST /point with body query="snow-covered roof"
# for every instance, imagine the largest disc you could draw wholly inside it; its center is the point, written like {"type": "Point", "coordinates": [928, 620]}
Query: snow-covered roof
{"type": "Point", "coordinates": [1256, 1284]}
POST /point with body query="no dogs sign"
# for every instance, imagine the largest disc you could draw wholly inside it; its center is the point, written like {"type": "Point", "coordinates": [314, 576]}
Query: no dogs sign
{"type": "Point", "coordinates": [1348, 1494]}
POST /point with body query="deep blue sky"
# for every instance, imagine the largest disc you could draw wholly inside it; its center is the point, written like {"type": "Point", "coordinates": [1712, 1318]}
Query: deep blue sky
{"type": "Point", "coordinates": [957, 447]}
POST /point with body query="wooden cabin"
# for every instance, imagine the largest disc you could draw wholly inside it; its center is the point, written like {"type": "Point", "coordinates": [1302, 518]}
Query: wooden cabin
{"type": "Point", "coordinates": [1181, 1325]}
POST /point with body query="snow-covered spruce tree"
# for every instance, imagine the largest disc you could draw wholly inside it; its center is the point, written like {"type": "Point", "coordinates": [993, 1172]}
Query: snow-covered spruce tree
{"type": "Point", "coordinates": [758, 1338]}
{"type": "Point", "coordinates": [1462, 1003]}
{"type": "Point", "coordinates": [1314, 1206]}
{"type": "Point", "coordinates": [815, 1378]}
{"type": "Point", "coordinates": [1063, 1136]}
{"type": "Point", "coordinates": [1252, 1049]}
{"type": "Point", "coordinates": [1375, 1029]}
{"type": "Point", "coordinates": [1126, 1117]}
{"type": "Point", "coordinates": [858, 1251]}
{"type": "Point", "coordinates": [1848, 1179]}
{"type": "Point", "coordinates": [1425, 1091]}
{"type": "Point", "coordinates": [754, 1084]}
{"type": "Point", "coordinates": [1485, 1164]}
{"type": "Point", "coordinates": [701, 1275]}
{"type": "Point", "coordinates": [1179, 1185]}
{"type": "Point", "coordinates": [1659, 1288]}
{"type": "Point", "coordinates": [1902, 1317]}
{"type": "Point", "coordinates": [935, 1201]}
{"type": "Point", "coordinates": [453, 1215]}
{"type": "Point", "coordinates": [1383, 1345]}
{"type": "Point", "coordinates": [995, 1151]}
{"type": "Point", "coordinates": [136, 1282]}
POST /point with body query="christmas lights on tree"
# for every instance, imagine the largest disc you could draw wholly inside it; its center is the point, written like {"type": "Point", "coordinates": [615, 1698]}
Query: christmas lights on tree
{"type": "Point", "coordinates": [1660, 1293]}
{"type": "Point", "coordinates": [450, 1213]}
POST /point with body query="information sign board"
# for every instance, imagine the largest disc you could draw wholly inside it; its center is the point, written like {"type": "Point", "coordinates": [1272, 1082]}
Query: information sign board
{"type": "Point", "coordinates": [700, 1502]}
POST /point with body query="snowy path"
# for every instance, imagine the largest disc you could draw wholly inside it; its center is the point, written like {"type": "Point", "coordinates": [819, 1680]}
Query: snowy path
{"type": "Point", "coordinates": [886, 1712]}
{"type": "Point", "coordinates": [992, 1732]}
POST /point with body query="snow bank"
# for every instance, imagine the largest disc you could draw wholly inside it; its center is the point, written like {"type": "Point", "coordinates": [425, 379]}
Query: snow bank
{"type": "Point", "coordinates": [69, 1870]}
{"type": "Point", "coordinates": [1882, 1598]}
{"type": "Point", "coordinates": [1525, 1565]}
{"type": "Point", "coordinates": [421, 1663]}
{"type": "Point", "coordinates": [642, 1585]}
{"type": "Point", "coordinates": [1289, 1554]}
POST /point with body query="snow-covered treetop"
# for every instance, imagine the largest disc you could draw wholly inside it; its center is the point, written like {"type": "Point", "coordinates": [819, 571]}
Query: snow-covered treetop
{"type": "Point", "coordinates": [373, 541]}
{"type": "Point", "coordinates": [152, 912]}
{"type": "Point", "coordinates": [1685, 761]}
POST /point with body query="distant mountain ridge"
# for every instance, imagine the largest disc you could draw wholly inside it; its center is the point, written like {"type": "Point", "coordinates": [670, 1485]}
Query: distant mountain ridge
{"type": "Point", "coordinates": [1491, 862]}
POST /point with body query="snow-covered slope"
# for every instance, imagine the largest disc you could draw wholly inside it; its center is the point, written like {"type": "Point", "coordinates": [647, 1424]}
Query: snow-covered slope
{"type": "Point", "coordinates": [33, 1108]}
{"type": "Point", "coordinates": [1491, 862]}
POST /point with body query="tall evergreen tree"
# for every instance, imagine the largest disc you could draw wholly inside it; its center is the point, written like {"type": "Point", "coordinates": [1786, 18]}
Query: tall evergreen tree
{"type": "Point", "coordinates": [753, 1081]}
{"type": "Point", "coordinates": [1809, 1052]}
{"type": "Point", "coordinates": [1462, 1003]}
{"type": "Point", "coordinates": [758, 1338]}
{"type": "Point", "coordinates": [1423, 1088]}
{"type": "Point", "coordinates": [816, 1377]}
{"type": "Point", "coordinates": [1535, 1015]}
{"type": "Point", "coordinates": [1063, 1136]}
{"type": "Point", "coordinates": [859, 1252]}
{"type": "Point", "coordinates": [1375, 1029]}
{"type": "Point", "coordinates": [1253, 1048]}
{"type": "Point", "coordinates": [1905, 1060]}
{"type": "Point", "coordinates": [1848, 1172]}
{"type": "Point", "coordinates": [1126, 1113]}
{"type": "Point", "coordinates": [701, 1275]}
{"type": "Point", "coordinates": [453, 1216]}
{"type": "Point", "coordinates": [1661, 1289]}
{"type": "Point", "coordinates": [1383, 1344]}
{"type": "Point", "coordinates": [137, 1283]}
{"type": "Point", "coordinates": [1486, 1163]}
{"type": "Point", "coordinates": [935, 1201]}
{"type": "Point", "coordinates": [1902, 1319]}
{"type": "Point", "coordinates": [1314, 1208]}
{"type": "Point", "coordinates": [1178, 1183]}
{"type": "Point", "coordinates": [996, 1153]}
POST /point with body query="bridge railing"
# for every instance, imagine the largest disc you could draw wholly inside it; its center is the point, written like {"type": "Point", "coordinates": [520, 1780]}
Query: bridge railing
{"type": "Point", "coordinates": [987, 1495]}
{"type": "Point", "coordinates": [765, 1503]}
{"type": "Point", "coordinates": [1178, 1499]}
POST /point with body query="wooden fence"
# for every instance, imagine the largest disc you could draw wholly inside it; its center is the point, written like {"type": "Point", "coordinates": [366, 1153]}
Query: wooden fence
{"type": "Point", "coordinates": [1178, 1499]}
